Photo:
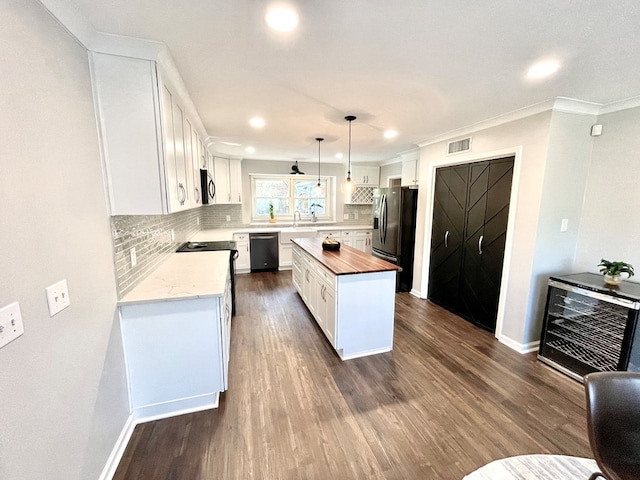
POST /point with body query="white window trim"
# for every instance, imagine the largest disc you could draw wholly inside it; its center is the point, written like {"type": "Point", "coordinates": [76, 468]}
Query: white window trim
{"type": "Point", "coordinates": [330, 208]}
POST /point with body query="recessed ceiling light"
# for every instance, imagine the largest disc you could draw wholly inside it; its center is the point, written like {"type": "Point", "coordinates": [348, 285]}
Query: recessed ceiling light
{"type": "Point", "coordinates": [339, 155]}
{"type": "Point", "coordinates": [257, 122]}
{"type": "Point", "coordinates": [390, 134]}
{"type": "Point", "coordinates": [250, 150]}
{"type": "Point", "coordinates": [543, 69]}
{"type": "Point", "coordinates": [282, 18]}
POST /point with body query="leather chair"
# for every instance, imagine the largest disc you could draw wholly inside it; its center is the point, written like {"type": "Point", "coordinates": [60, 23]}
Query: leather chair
{"type": "Point", "coordinates": [613, 421]}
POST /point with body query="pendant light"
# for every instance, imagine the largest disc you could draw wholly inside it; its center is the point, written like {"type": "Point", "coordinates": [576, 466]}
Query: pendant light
{"type": "Point", "coordinates": [348, 185]}
{"type": "Point", "coordinates": [318, 189]}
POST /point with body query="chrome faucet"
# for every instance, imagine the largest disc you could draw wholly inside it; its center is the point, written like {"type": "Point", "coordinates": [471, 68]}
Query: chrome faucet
{"type": "Point", "coordinates": [294, 218]}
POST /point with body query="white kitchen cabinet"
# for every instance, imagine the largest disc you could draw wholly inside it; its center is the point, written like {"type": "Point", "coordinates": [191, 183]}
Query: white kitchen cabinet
{"type": "Point", "coordinates": [364, 175]}
{"type": "Point", "coordinates": [235, 180]}
{"type": "Point", "coordinates": [309, 283]}
{"type": "Point", "coordinates": [228, 180]}
{"type": "Point", "coordinates": [243, 262]}
{"type": "Point", "coordinates": [409, 173]}
{"type": "Point", "coordinates": [177, 353]}
{"type": "Point", "coordinates": [362, 240]}
{"type": "Point", "coordinates": [296, 267]}
{"type": "Point", "coordinates": [193, 163]}
{"type": "Point", "coordinates": [142, 131]}
{"type": "Point", "coordinates": [325, 302]}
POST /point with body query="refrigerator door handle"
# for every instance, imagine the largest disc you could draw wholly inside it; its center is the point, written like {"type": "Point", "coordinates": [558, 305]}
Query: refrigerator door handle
{"type": "Point", "coordinates": [446, 236]}
{"type": "Point", "coordinates": [480, 244]}
{"type": "Point", "coordinates": [381, 229]}
{"type": "Point", "coordinates": [384, 233]}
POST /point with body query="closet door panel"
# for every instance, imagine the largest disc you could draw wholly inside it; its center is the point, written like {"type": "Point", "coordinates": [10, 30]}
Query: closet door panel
{"type": "Point", "coordinates": [447, 233]}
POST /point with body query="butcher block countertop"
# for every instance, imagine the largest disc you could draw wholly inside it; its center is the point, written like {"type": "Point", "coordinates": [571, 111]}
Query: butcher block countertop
{"type": "Point", "coordinates": [346, 261]}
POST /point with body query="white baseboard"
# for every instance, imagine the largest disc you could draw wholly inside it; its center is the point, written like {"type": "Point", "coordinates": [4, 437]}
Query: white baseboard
{"type": "Point", "coordinates": [158, 411]}
{"type": "Point", "coordinates": [364, 354]}
{"type": "Point", "coordinates": [519, 347]}
{"type": "Point", "coordinates": [113, 461]}
{"type": "Point", "coordinates": [416, 293]}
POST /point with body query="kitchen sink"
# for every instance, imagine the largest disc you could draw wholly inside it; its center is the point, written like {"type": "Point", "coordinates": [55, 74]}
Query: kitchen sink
{"type": "Point", "coordinates": [287, 233]}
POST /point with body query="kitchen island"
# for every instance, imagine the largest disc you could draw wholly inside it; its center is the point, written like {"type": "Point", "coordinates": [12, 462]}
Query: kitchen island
{"type": "Point", "coordinates": [350, 294]}
{"type": "Point", "coordinates": [176, 328]}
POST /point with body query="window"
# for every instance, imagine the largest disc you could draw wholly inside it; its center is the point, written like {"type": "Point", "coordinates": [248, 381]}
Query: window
{"type": "Point", "coordinates": [291, 193]}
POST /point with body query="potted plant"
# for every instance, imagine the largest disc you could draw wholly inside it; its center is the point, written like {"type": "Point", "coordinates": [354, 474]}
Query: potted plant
{"type": "Point", "coordinates": [313, 212]}
{"type": "Point", "coordinates": [613, 270]}
{"type": "Point", "coordinates": [272, 218]}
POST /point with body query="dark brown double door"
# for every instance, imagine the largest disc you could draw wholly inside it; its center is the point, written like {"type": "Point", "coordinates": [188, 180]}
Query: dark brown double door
{"type": "Point", "coordinates": [471, 207]}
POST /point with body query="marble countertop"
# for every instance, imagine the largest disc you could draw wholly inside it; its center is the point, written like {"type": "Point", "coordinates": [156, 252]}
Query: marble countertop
{"type": "Point", "coordinates": [183, 276]}
{"type": "Point", "coordinates": [220, 234]}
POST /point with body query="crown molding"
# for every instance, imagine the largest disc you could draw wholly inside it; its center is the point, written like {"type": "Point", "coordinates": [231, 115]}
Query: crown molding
{"type": "Point", "coordinates": [626, 104]}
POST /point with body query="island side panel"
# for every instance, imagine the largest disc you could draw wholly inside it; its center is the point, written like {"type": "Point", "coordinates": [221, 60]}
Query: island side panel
{"type": "Point", "coordinates": [172, 352]}
{"type": "Point", "coordinates": [365, 314]}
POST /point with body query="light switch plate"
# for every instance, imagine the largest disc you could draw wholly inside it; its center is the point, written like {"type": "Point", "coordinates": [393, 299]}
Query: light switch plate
{"type": "Point", "coordinates": [58, 297]}
{"type": "Point", "coordinates": [133, 256]}
{"type": "Point", "coordinates": [345, 216]}
{"type": "Point", "coordinates": [11, 326]}
{"type": "Point", "coordinates": [564, 225]}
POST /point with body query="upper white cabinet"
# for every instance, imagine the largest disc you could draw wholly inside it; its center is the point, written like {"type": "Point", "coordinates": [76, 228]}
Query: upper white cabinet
{"type": "Point", "coordinates": [361, 175]}
{"type": "Point", "coordinates": [228, 179]}
{"type": "Point", "coordinates": [147, 140]}
{"type": "Point", "coordinates": [409, 173]}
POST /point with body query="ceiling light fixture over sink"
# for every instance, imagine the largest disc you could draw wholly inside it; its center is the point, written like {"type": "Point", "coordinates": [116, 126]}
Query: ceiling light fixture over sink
{"type": "Point", "coordinates": [318, 189]}
{"type": "Point", "coordinates": [348, 185]}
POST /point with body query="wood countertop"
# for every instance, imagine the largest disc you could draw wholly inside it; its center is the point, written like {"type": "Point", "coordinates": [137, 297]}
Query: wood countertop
{"type": "Point", "coordinates": [346, 261]}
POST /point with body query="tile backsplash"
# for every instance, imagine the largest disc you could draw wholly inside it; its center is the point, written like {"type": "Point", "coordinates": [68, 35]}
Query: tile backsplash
{"type": "Point", "coordinates": [150, 235]}
{"type": "Point", "coordinates": [363, 212]}
{"type": "Point", "coordinates": [215, 216]}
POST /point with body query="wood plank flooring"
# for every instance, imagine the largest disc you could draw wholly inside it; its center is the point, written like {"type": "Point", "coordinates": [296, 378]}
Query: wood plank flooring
{"type": "Point", "coordinates": [448, 399]}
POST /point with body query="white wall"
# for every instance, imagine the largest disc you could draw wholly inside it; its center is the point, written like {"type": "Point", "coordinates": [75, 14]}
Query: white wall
{"type": "Point", "coordinates": [391, 170]}
{"type": "Point", "coordinates": [64, 397]}
{"type": "Point", "coordinates": [610, 224]}
{"type": "Point", "coordinates": [527, 138]}
{"type": "Point", "coordinates": [565, 178]}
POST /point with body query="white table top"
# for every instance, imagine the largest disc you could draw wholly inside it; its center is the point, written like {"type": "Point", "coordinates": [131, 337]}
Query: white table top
{"type": "Point", "coordinates": [536, 467]}
{"type": "Point", "coordinates": [183, 276]}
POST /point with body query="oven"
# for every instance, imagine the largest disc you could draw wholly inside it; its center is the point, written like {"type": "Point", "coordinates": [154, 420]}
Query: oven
{"type": "Point", "coordinates": [212, 247]}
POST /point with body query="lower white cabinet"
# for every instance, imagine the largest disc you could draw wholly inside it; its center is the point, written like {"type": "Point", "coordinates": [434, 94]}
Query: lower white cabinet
{"type": "Point", "coordinates": [243, 262]}
{"type": "Point", "coordinates": [177, 354]}
{"type": "Point", "coordinates": [359, 239]}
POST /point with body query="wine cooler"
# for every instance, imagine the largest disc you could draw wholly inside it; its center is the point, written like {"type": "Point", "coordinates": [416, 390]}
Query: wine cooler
{"type": "Point", "coordinates": [590, 326]}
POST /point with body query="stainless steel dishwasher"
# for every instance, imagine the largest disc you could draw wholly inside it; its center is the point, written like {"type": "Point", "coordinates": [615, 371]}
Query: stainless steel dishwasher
{"type": "Point", "coordinates": [264, 251]}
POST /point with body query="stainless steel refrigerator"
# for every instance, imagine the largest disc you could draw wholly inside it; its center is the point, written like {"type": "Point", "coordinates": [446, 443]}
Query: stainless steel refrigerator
{"type": "Point", "coordinates": [394, 230]}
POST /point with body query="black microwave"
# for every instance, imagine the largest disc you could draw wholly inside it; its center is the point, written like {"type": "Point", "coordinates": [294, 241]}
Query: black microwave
{"type": "Point", "coordinates": [208, 187]}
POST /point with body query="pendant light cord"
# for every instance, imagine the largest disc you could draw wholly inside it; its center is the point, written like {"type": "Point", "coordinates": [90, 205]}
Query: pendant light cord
{"type": "Point", "coordinates": [349, 118]}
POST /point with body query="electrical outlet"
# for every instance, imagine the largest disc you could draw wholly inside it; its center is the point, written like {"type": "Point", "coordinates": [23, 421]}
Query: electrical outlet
{"type": "Point", "coordinates": [11, 326]}
{"type": "Point", "coordinates": [564, 225]}
{"type": "Point", "coordinates": [228, 217]}
{"type": "Point", "coordinates": [133, 256]}
{"type": "Point", "coordinates": [345, 216]}
{"type": "Point", "coordinates": [355, 215]}
{"type": "Point", "coordinates": [197, 220]}
{"type": "Point", "coordinates": [173, 235]}
{"type": "Point", "coordinates": [58, 297]}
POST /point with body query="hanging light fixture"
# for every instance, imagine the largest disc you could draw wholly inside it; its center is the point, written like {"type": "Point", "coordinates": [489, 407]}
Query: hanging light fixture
{"type": "Point", "coordinates": [318, 189]}
{"type": "Point", "coordinates": [348, 185]}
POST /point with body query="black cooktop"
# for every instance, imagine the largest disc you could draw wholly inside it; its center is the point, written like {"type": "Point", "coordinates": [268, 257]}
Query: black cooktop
{"type": "Point", "coordinates": [206, 246]}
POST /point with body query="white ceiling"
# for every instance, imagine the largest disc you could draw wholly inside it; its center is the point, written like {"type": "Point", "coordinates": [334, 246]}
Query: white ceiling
{"type": "Point", "coordinates": [422, 67]}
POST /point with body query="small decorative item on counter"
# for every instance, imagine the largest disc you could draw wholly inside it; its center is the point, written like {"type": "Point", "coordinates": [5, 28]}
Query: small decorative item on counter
{"type": "Point", "coordinates": [612, 271]}
{"type": "Point", "coordinates": [313, 211]}
{"type": "Point", "coordinates": [272, 218]}
{"type": "Point", "coordinates": [330, 244]}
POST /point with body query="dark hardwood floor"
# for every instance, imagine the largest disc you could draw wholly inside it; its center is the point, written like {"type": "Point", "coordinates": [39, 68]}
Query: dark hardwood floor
{"type": "Point", "coordinates": [448, 399]}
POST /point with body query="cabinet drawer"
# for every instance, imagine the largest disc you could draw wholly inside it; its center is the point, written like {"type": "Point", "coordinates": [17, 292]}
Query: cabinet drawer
{"type": "Point", "coordinates": [330, 233]}
{"type": "Point", "coordinates": [361, 233]}
{"type": "Point", "coordinates": [325, 275]}
{"type": "Point", "coordinates": [240, 237]}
